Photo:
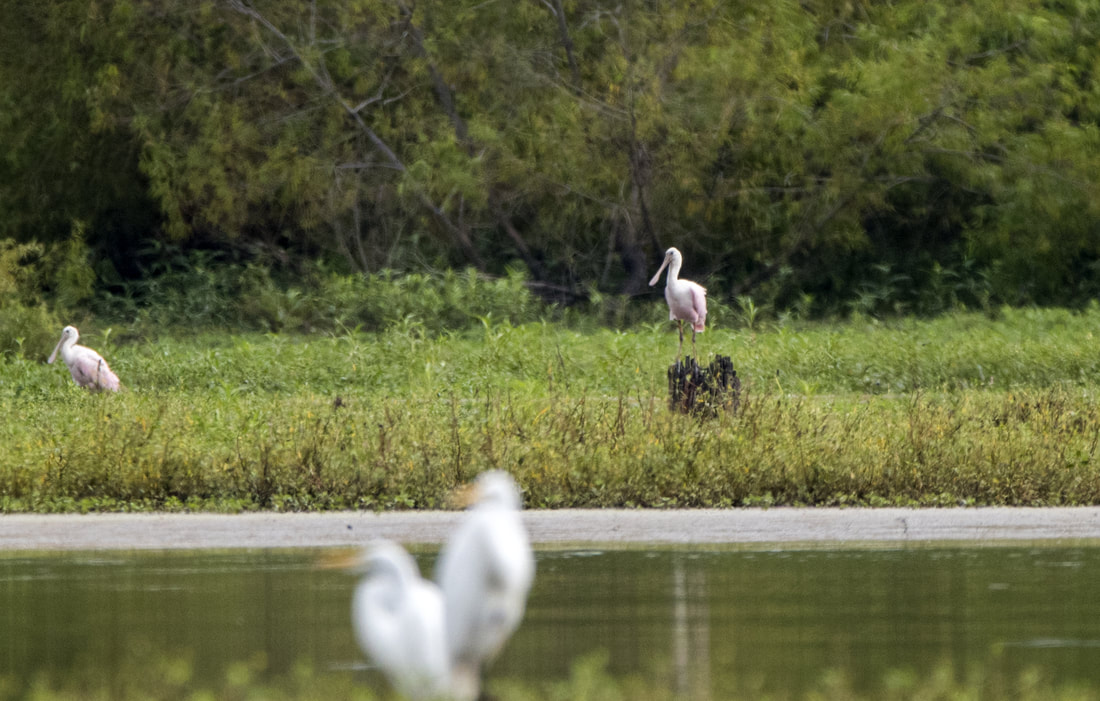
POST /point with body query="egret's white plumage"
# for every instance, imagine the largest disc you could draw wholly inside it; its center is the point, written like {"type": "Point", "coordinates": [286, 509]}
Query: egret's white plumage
{"type": "Point", "coordinates": [399, 622]}
{"type": "Point", "coordinates": [432, 640]}
{"type": "Point", "coordinates": [687, 300]}
{"type": "Point", "coordinates": [485, 571]}
{"type": "Point", "coordinates": [88, 368]}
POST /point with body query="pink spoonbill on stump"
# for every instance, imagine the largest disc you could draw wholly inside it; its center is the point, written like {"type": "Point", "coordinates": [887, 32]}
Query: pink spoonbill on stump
{"type": "Point", "coordinates": [687, 300]}
{"type": "Point", "coordinates": [88, 368]}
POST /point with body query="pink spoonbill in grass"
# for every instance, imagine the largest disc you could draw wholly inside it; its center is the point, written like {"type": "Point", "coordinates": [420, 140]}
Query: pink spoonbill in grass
{"type": "Point", "coordinates": [88, 368]}
{"type": "Point", "coordinates": [687, 300]}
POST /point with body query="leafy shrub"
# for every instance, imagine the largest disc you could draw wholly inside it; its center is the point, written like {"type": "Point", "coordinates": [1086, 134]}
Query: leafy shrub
{"type": "Point", "coordinates": [24, 321]}
{"type": "Point", "coordinates": [73, 277]}
{"type": "Point", "coordinates": [205, 293]}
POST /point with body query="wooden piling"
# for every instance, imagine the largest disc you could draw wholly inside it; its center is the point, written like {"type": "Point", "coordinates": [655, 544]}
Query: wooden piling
{"type": "Point", "coordinates": [703, 391]}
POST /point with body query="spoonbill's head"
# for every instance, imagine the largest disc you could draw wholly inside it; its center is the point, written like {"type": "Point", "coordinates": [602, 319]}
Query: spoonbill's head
{"type": "Point", "coordinates": [69, 334]}
{"type": "Point", "coordinates": [672, 258]}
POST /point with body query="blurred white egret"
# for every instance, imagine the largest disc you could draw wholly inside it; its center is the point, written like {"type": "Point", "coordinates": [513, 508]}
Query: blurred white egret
{"type": "Point", "coordinates": [399, 622]}
{"type": "Point", "coordinates": [485, 571]}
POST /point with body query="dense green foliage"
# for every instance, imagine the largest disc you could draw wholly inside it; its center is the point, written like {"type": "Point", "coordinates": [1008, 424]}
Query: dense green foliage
{"type": "Point", "coordinates": [963, 409]}
{"type": "Point", "coordinates": [883, 157]}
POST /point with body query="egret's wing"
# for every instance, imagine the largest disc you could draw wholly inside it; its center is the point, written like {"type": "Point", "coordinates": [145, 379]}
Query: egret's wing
{"type": "Point", "coordinates": [485, 572]}
{"type": "Point", "coordinates": [405, 637]}
{"type": "Point", "coordinates": [512, 565]}
{"type": "Point", "coordinates": [426, 642]}
{"type": "Point", "coordinates": [460, 574]}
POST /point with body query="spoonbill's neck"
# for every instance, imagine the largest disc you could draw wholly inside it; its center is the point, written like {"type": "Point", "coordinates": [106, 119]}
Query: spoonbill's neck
{"type": "Point", "coordinates": [674, 270]}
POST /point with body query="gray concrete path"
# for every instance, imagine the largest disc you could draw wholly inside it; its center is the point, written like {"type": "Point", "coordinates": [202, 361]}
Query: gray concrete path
{"type": "Point", "coordinates": [745, 527]}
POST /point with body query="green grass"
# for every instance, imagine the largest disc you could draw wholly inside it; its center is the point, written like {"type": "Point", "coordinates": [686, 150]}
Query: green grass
{"type": "Point", "coordinates": [962, 409]}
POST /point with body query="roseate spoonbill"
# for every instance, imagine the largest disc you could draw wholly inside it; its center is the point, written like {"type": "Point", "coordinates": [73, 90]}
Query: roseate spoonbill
{"type": "Point", "coordinates": [687, 300]}
{"type": "Point", "coordinates": [88, 368]}
{"type": "Point", "coordinates": [485, 571]}
{"type": "Point", "coordinates": [398, 620]}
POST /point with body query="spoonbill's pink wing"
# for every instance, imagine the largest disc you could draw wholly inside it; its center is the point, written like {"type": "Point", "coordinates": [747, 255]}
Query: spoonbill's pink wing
{"type": "Point", "coordinates": [699, 304]}
{"type": "Point", "coordinates": [107, 379]}
{"type": "Point", "coordinates": [90, 370]}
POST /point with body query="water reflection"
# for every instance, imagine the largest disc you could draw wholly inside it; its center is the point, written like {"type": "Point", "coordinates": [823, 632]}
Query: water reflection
{"type": "Point", "coordinates": [690, 630]}
{"type": "Point", "coordinates": [706, 624]}
{"type": "Point", "coordinates": [719, 623]}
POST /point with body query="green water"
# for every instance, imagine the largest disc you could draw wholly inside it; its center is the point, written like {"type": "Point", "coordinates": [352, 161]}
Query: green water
{"type": "Point", "coordinates": [701, 622]}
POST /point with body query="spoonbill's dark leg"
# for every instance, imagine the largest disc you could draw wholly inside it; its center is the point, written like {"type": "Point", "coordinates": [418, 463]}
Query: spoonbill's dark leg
{"type": "Point", "coordinates": [680, 350]}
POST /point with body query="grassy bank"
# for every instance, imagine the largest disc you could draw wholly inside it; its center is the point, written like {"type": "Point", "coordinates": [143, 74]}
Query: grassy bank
{"type": "Point", "coordinates": [962, 409]}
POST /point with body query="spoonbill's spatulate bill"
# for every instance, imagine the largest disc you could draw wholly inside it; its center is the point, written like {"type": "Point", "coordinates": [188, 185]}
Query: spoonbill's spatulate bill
{"type": "Point", "coordinates": [485, 571]}
{"type": "Point", "coordinates": [687, 300]}
{"type": "Point", "coordinates": [88, 368]}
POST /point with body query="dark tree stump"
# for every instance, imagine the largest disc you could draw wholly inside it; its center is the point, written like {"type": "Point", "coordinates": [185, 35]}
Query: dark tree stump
{"type": "Point", "coordinates": [703, 391]}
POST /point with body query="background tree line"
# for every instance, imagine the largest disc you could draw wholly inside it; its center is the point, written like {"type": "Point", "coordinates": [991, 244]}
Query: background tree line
{"type": "Point", "coordinates": [824, 154]}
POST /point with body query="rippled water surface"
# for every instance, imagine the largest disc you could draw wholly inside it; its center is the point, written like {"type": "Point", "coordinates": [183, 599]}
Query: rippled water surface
{"type": "Point", "coordinates": [701, 622]}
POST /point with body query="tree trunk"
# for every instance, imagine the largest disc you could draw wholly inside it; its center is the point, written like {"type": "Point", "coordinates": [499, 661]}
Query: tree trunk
{"type": "Point", "coordinates": [703, 391]}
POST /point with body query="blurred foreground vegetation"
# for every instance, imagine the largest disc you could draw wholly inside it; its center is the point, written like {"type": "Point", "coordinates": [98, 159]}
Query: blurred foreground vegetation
{"type": "Point", "coordinates": [171, 678]}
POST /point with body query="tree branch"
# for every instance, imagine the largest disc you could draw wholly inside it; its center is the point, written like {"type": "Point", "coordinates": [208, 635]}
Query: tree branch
{"type": "Point", "coordinates": [567, 44]}
{"type": "Point", "coordinates": [447, 103]}
{"type": "Point", "coordinates": [442, 91]}
{"type": "Point", "coordinates": [765, 273]}
{"type": "Point", "coordinates": [324, 81]}
{"type": "Point", "coordinates": [806, 230]}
